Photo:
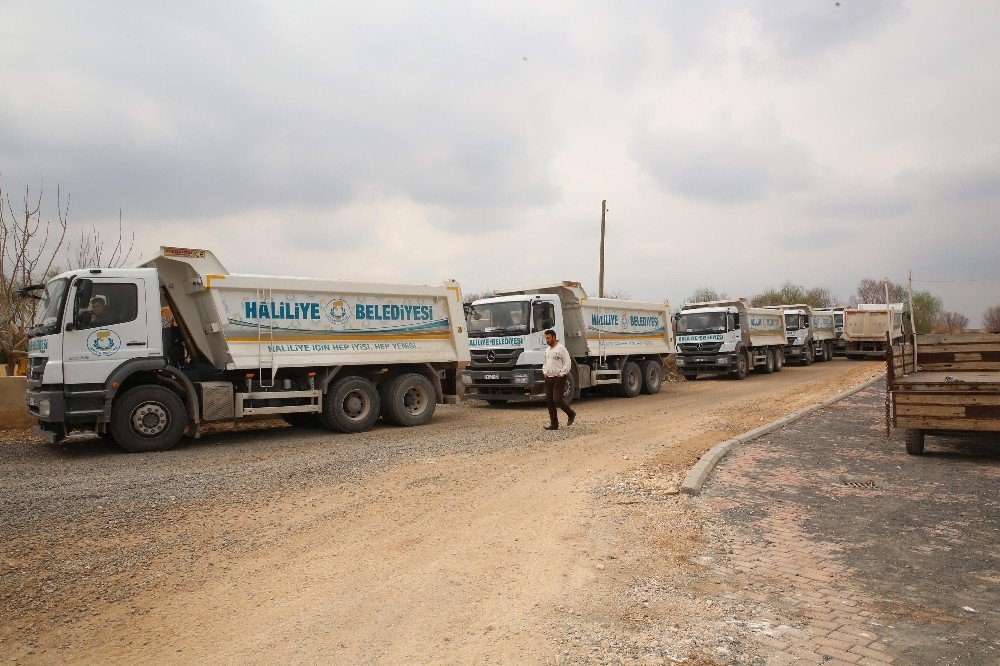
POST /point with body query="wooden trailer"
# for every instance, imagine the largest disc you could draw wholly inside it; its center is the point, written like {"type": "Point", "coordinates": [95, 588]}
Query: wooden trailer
{"type": "Point", "coordinates": [951, 383]}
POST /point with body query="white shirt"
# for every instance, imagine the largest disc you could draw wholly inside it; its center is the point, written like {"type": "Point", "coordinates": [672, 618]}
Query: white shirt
{"type": "Point", "coordinates": [557, 361]}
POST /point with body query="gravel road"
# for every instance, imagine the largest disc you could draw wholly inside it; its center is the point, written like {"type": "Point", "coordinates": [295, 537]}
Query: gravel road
{"type": "Point", "coordinates": [478, 537]}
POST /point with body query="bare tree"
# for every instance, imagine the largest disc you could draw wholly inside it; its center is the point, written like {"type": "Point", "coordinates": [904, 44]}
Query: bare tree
{"type": "Point", "coordinates": [478, 295]}
{"type": "Point", "coordinates": [951, 322]}
{"type": "Point", "coordinates": [873, 291]}
{"type": "Point", "coordinates": [92, 250]}
{"type": "Point", "coordinates": [619, 294]}
{"type": "Point", "coordinates": [29, 246]}
{"type": "Point", "coordinates": [991, 319]}
{"type": "Point", "coordinates": [703, 294]}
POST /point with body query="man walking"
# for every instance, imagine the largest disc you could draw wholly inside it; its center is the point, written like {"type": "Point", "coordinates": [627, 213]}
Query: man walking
{"type": "Point", "coordinates": [556, 367]}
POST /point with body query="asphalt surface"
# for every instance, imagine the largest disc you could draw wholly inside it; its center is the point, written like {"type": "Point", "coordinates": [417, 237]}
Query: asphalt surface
{"type": "Point", "coordinates": [908, 543]}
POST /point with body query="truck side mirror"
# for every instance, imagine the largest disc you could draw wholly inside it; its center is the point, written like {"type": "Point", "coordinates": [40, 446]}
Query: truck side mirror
{"type": "Point", "coordinates": [84, 290]}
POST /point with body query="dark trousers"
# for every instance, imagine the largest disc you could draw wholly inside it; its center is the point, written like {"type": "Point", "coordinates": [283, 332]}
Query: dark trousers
{"type": "Point", "coordinates": [554, 388]}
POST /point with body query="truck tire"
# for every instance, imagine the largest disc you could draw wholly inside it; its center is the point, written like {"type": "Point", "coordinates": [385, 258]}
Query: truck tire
{"type": "Point", "coordinates": [828, 351]}
{"type": "Point", "coordinates": [408, 400]}
{"type": "Point", "coordinates": [915, 442]}
{"type": "Point", "coordinates": [351, 404]}
{"type": "Point", "coordinates": [148, 418]}
{"type": "Point", "coordinates": [768, 366]}
{"type": "Point", "coordinates": [569, 393]}
{"type": "Point", "coordinates": [301, 419]}
{"type": "Point", "coordinates": [742, 366]}
{"type": "Point", "coordinates": [779, 359]}
{"type": "Point", "coordinates": [807, 357]}
{"type": "Point", "coordinates": [652, 376]}
{"type": "Point", "coordinates": [631, 384]}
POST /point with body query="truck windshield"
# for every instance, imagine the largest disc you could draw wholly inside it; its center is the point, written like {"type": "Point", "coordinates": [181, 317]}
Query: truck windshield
{"type": "Point", "coordinates": [838, 319]}
{"type": "Point", "coordinates": [701, 322]}
{"type": "Point", "coordinates": [492, 319]}
{"type": "Point", "coordinates": [793, 322]}
{"type": "Point", "coordinates": [47, 311]}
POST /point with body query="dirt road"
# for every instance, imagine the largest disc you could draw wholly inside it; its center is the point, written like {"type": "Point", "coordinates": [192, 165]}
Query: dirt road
{"type": "Point", "coordinates": [476, 538]}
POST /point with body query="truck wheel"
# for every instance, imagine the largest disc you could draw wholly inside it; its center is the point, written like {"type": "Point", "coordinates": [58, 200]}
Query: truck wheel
{"type": "Point", "coordinates": [915, 442]}
{"type": "Point", "coordinates": [807, 356]}
{"type": "Point", "coordinates": [828, 351]}
{"type": "Point", "coordinates": [301, 419]}
{"type": "Point", "coordinates": [148, 418]}
{"type": "Point", "coordinates": [351, 404]}
{"type": "Point", "coordinates": [779, 359]}
{"type": "Point", "coordinates": [408, 400]}
{"type": "Point", "coordinates": [742, 366]}
{"type": "Point", "coordinates": [569, 393]}
{"type": "Point", "coordinates": [768, 366]}
{"type": "Point", "coordinates": [631, 384]}
{"type": "Point", "coordinates": [652, 376]}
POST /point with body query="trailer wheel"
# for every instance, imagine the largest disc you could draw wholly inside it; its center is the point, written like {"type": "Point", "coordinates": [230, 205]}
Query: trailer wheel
{"type": "Point", "coordinates": [351, 404]}
{"type": "Point", "coordinates": [742, 366]}
{"type": "Point", "coordinates": [915, 442]}
{"type": "Point", "coordinates": [408, 400]}
{"type": "Point", "coordinates": [631, 384]}
{"type": "Point", "coordinates": [652, 376]}
{"type": "Point", "coordinates": [148, 418]}
{"type": "Point", "coordinates": [779, 359]}
{"type": "Point", "coordinates": [768, 366]}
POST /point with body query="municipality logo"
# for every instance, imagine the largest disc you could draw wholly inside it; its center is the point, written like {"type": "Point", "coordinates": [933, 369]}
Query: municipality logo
{"type": "Point", "coordinates": [104, 342]}
{"type": "Point", "coordinates": [338, 311]}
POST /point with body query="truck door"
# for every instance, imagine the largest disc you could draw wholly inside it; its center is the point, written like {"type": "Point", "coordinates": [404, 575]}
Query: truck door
{"type": "Point", "coordinates": [543, 317]}
{"type": "Point", "coordinates": [104, 330]}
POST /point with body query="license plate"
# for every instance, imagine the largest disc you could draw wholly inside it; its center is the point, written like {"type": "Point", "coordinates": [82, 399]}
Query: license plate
{"type": "Point", "coordinates": [702, 360]}
{"type": "Point", "coordinates": [491, 376]}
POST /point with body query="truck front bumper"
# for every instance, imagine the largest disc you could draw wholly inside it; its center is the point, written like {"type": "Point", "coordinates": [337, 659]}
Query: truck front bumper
{"type": "Point", "coordinates": [49, 408]}
{"type": "Point", "coordinates": [706, 364]}
{"type": "Point", "coordinates": [514, 384]}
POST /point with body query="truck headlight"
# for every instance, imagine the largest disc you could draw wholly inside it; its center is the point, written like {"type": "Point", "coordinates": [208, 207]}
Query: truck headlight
{"type": "Point", "coordinates": [44, 407]}
{"type": "Point", "coordinates": [467, 378]}
{"type": "Point", "coordinates": [521, 377]}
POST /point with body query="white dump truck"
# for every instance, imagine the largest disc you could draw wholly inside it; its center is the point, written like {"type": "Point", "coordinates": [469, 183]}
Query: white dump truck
{"type": "Point", "coordinates": [810, 333]}
{"type": "Point", "coordinates": [839, 344]}
{"type": "Point", "coordinates": [146, 354]}
{"type": "Point", "coordinates": [865, 328]}
{"type": "Point", "coordinates": [728, 338]}
{"type": "Point", "coordinates": [614, 343]}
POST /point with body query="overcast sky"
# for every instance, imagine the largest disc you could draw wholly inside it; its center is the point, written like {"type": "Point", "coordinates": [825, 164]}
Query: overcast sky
{"type": "Point", "coordinates": [738, 144]}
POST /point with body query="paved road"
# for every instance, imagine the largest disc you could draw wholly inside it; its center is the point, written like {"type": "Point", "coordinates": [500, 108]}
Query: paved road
{"type": "Point", "coordinates": [857, 552]}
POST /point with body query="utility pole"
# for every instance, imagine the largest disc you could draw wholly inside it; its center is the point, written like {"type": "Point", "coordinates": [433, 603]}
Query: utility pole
{"type": "Point", "coordinates": [913, 322]}
{"type": "Point", "coordinates": [600, 282]}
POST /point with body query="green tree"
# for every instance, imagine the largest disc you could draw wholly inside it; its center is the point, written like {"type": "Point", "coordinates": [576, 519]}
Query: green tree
{"type": "Point", "coordinates": [703, 294]}
{"type": "Point", "coordinates": [790, 293]}
{"type": "Point", "coordinates": [927, 310]}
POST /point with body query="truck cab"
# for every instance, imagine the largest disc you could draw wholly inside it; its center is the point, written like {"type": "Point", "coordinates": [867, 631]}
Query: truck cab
{"type": "Point", "coordinates": [91, 327]}
{"type": "Point", "coordinates": [507, 346]}
{"type": "Point", "coordinates": [708, 339]}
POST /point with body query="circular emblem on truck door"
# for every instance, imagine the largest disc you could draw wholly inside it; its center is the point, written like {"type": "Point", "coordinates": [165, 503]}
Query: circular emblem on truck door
{"type": "Point", "coordinates": [103, 342]}
{"type": "Point", "coordinates": [491, 356]}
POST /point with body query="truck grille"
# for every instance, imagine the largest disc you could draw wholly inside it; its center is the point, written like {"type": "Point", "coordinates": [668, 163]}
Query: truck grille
{"type": "Point", "coordinates": [495, 358]}
{"type": "Point", "coordinates": [700, 347]}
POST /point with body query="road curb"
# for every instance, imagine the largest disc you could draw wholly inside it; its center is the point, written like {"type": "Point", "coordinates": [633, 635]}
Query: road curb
{"type": "Point", "coordinates": [698, 475]}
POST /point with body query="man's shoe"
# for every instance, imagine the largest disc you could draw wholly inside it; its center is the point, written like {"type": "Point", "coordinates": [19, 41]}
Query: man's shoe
{"type": "Point", "coordinates": [572, 417]}
{"type": "Point", "coordinates": [552, 426]}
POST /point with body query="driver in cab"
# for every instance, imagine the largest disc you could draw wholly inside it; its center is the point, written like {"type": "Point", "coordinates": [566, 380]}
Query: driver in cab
{"type": "Point", "coordinates": [98, 314]}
